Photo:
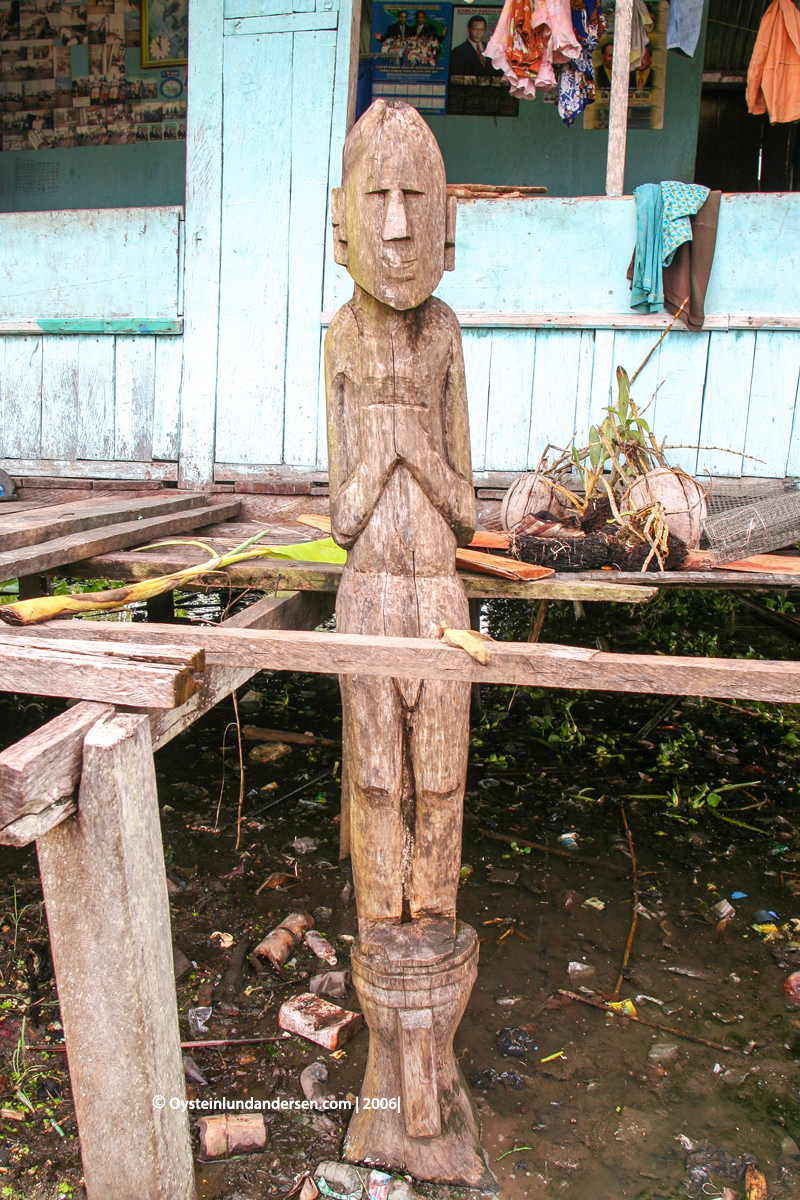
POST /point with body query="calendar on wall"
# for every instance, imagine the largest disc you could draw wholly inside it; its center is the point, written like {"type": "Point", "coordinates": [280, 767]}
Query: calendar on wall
{"type": "Point", "coordinates": [71, 74]}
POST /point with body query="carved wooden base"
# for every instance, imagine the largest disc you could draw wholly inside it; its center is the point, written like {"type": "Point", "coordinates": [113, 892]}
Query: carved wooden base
{"type": "Point", "coordinates": [413, 981]}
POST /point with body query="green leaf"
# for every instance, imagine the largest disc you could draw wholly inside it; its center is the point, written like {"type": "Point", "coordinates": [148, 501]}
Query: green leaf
{"type": "Point", "coordinates": [712, 799]}
{"type": "Point", "coordinates": [323, 550]}
{"type": "Point", "coordinates": [595, 454]}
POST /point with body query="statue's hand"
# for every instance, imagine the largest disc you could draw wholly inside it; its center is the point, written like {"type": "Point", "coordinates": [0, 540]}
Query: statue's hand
{"type": "Point", "coordinates": [412, 438]}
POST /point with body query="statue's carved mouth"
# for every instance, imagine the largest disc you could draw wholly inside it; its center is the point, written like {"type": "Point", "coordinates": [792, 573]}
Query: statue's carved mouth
{"type": "Point", "coordinates": [399, 268]}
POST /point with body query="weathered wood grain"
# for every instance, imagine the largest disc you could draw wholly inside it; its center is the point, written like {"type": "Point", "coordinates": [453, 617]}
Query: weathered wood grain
{"type": "Point", "coordinates": [618, 109]}
{"type": "Point", "coordinates": [105, 892]}
{"type": "Point", "coordinates": [202, 253]}
{"type": "Point", "coordinates": [33, 526]}
{"type": "Point", "coordinates": [679, 403]}
{"type": "Point", "coordinates": [70, 470]}
{"type": "Point", "coordinates": [94, 436]}
{"type": "Point", "coordinates": [541, 665]}
{"type": "Point", "coordinates": [45, 766]}
{"type": "Point", "coordinates": [92, 674]}
{"type": "Point", "coordinates": [477, 346]}
{"type": "Point", "coordinates": [167, 410]}
{"type": "Point", "coordinates": [60, 397]}
{"type": "Point", "coordinates": [510, 389]}
{"type": "Point", "coordinates": [61, 550]}
{"type": "Point", "coordinates": [555, 389]}
{"type": "Point", "coordinates": [134, 399]}
{"type": "Point", "coordinates": [21, 396]}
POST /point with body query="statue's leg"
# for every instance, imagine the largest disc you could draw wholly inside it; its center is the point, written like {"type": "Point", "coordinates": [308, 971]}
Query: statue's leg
{"type": "Point", "coordinates": [439, 752]}
{"type": "Point", "coordinates": [372, 746]}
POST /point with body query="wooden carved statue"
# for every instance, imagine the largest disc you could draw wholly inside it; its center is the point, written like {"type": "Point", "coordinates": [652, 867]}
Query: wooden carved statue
{"type": "Point", "coordinates": [402, 500]}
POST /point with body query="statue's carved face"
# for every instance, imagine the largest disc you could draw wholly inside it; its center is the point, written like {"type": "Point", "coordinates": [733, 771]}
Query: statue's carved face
{"type": "Point", "coordinates": [391, 212]}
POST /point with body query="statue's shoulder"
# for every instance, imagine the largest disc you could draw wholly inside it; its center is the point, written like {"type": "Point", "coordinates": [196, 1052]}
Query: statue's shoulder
{"type": "Point", "coordinates": [343, 323]}
{"type": "Point", "coordinates": [436, 311]}
{"type": "Point", "coordinates": [342, 336]}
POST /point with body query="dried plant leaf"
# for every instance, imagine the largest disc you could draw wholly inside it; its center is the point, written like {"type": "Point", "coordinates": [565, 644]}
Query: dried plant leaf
{"type": "Point", "coordinates": [467, 639]}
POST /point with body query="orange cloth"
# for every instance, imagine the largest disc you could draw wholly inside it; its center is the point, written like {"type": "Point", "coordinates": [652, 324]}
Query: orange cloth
{"type": "Point", "coordinates": [773, 77]}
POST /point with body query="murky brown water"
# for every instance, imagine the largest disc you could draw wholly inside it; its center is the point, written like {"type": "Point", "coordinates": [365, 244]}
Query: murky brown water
{"type": "Point", "coordinates": [600, 1122]}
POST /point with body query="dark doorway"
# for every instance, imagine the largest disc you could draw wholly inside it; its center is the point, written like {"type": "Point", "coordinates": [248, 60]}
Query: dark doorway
{"type": "Point", "coordinates": [737, 152]}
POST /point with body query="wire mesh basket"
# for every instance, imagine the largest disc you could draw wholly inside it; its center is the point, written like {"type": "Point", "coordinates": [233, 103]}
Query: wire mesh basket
{"type": "Point", "coordinates": [751, 516]}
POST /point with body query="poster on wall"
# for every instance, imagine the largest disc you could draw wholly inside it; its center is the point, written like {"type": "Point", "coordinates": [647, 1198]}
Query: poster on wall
{"type": "Point", "coordinates": [476, 87]}
{"type": "Point", "coordinates": [411, 49]}
{"type": "Point", "coordinates": [646, 84]}
{"type": "Point", "coordinates": [165, 33]}
{"type": "Point", "coordinates": [71, 75]}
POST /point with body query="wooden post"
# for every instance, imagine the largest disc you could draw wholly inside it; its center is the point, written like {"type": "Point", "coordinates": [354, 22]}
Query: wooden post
{"type": "Point", "coordinates": [618, 113]}
{"type": "Point", "coordinates": [105, 893]}
{"type": "Point", "coordinates": [402, 500]}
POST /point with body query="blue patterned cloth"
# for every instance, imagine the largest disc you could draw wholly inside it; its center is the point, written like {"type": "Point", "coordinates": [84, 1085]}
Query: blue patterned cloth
{"type": "Point", "coordinates": [679, 202]}
{"type": "Point", "coordinates": [576, 77]}
{"type": "Point", "coordinates": [647, 290]}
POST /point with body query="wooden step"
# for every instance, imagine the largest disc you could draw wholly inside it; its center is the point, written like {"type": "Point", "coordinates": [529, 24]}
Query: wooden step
{"type": "Point", "coordinates": [43, 524]}
{"type": "Point", "coordinates": [60, 551]}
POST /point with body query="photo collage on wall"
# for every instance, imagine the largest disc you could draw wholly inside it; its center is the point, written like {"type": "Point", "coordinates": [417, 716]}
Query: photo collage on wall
{"type": "Point", "coordinates": [96, 74]}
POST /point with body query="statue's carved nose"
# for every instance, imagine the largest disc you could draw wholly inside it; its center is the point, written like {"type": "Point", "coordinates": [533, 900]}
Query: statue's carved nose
{"type": "Point", "coordinates": [395, 222]}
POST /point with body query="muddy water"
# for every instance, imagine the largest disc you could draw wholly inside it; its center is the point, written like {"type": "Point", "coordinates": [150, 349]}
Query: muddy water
{"type": "Point", "coordinates": [603, 1120]}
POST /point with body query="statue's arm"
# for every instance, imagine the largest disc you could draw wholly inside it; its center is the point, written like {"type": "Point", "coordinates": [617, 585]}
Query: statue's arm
{"type": "Point", "coordinates": [446, 479]}
{"type": "Point", "coordinates": [361, 453]}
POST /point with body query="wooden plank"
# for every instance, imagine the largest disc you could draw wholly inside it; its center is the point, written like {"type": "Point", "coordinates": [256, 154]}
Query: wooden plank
{"type": "Point", "coordinates": [298, 22]}
{"type": "Point", "coordinates": [34, 526]}
{"type": "Point", "coordinates": [477, 346]}
{"type": "Point", "coordinates": [202, 253]}
{"type": "Point", "coordinates": [618, 109]}
{"type": "Point", "coordinates": [134, 399]}
{"type": "Point", "coordinates": [510, 389]}
{"type": "Point", "coordinates": [602, 376]}
{"type": "Point", "coordinates": [509, 319]}
{"type": "Point", "coordinates": [321, 459]}
{"type": "Point", "coordinates": [105, 892]}
{"type": "Point", "coordinates": [45, 766]}
{"type": "Point", "coordinates": [725, 403]}
{"type": "Point", "coordinates": [254, 263]}
{"type": "Point", "coordinates": [21, 396]}
{"type": "Point", "coordinates": [60, 551]}
{"type": "Point", "coordinates": [555, 392]}
{"type": "Point", "coordinates": [631, 347]}
{"type": "Point", "coordinates": [313, 63]}
{"type": "Point", "coordinates": [73, 469]}
{"type": "Point", "coordinates": [679, 403]}
{"type": "Point", "coordinates": [522, 663]}
{"type": "Point", "coordinates": [583, 396]}
{"type": "Point", "coordinates": [59, 397]}
{"type": "Point", "coordinates": [773, 394]}
{"type": "Point", "coordinates": [337, 285]}
{"type": "Point", "coordinates": [167, 410]}
{"type": "Point", "coordinates": [256, 8]}
{"type": "Point", "coordinates": [34, 671]}
{"type": "Point", "coordinates": [95, 418]}
{"type": "Point", "coordinates": [99, 264]}
{"type": "Point", "coordinates": [159, 654]}
{"type": "Point", "coordinates": [77, 326]}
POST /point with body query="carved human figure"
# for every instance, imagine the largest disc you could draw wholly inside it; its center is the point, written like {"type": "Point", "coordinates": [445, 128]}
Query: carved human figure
{"type": "Point", "coordinates": [401, 501]}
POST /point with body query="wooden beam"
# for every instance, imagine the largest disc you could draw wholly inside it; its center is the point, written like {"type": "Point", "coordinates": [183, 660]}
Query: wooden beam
{"type": "Point", "coordinates": [70, 468]}
{"type": "Point", "coordinates": [618, 112]}
{"type": "Point", "coordinates": [478, 319]}
{"type": "Point", "coordinates": [43, 524]}
{"type": "Point", "coordinates": [105, 893]}
{"type": "Point", "coordinates": [63, 550]}
{"type": "Point", "coordinates": [39, 774]}
{"type": "Point", "coordinates": [87, 671]}
{"type": "Point", "coordinates": [266, 575]}
{"type": "Point", "coordinates": [521, 663]}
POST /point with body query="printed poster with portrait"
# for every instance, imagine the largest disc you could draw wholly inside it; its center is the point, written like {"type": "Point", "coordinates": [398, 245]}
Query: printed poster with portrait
{"type": "Point", "coordinates": [476, 87]}
{"type": "Point", "coordinates": [411, 49]}
{"type": "Point", "coordinates": [646, 85]}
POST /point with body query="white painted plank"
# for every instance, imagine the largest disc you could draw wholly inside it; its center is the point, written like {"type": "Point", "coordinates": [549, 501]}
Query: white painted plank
{"type": "Point", "coordinates": [202, 252]}
{"type": "Point", "coordinates": [555, 390]}
{"type": "Point", "coordinates": [254, 263]}
{"type": "Point", "coordinates": [167, 406]}
{"type": "Point", "coordinates": [101, 263]}
{"type": "Point", "coordinates": [134, 399]}
{"type": "Point", "coordinates": [679, 403]}
{"type": "Point", "coordinates": [322, 409]}
{"type": "Point", "coordinates": [725, 403]}
{"type": "Point", "coordinates": [21, 396]}
{"type": "Point", "coordinates": [312, 101]}
{"type": "Point", "coordinates": [631, 347]}
{"type": "Point", "coordinates": [95, 431]}
{"type": "Point", "coordinates": [477, 344]}
{"type": "Point", "coordinates": [602, 377]}
{"type": "Point", "coordinates": [793, 456]}
{"type": "Point", "coordinates": [338, 286]}
{"type": "Point", "coordinates": [583, 397]}
{"type": "Point", "coordinates": [60, 397]}
{"type": "Point", "coordinates": [510, 392]}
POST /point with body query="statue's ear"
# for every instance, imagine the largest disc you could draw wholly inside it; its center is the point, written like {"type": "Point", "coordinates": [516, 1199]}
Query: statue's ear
{"type": "Point", "coordinates": [450, 234]}
{"type": "Point", "coordinates": [339, 226]}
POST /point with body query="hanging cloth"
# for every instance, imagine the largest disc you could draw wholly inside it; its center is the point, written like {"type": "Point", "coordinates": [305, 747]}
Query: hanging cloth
{"type": "Point", "coordinates": [646, 284]}
{"type": "Point", "coordinates": [689, 271]}
{"type": "Point", "coordinates": [640, 26]}
{"type": "Point", "coordinates": [773, 77]}
{"type": "Point", "coordinates": [683, 31]}
{"type": "Point", "coordinates": [517, 47]}
{"type": "Point", "coordinates": [576, 84]}
{"type": "Point", "coordinates": [679, 202]}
